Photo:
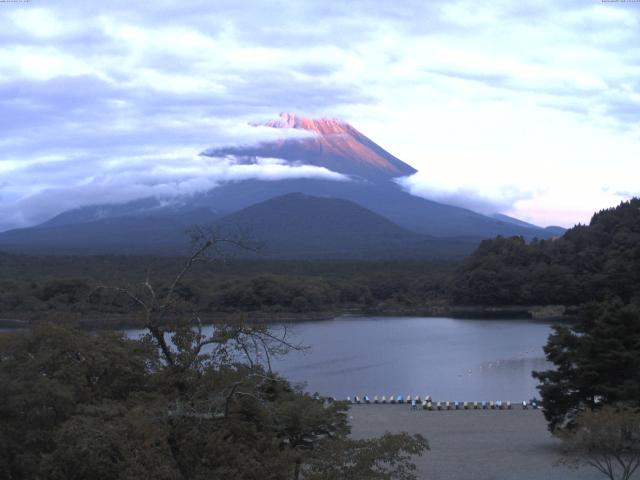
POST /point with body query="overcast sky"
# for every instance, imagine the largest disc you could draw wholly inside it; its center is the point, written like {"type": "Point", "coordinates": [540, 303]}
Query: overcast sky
{"type": "Point", "coordinates": [527, 108]}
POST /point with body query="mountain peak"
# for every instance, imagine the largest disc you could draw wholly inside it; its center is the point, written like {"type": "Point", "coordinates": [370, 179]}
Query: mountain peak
{"type": "Point", "coordinates": [336, 146]}
{"type": "Point", "coordinates": [322, 126]}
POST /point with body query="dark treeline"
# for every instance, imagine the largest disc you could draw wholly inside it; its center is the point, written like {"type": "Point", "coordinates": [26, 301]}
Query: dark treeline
{"type": "Point", "coordinates": [589, 263]}
{"type": "Point", "coordinates": [32, 285]}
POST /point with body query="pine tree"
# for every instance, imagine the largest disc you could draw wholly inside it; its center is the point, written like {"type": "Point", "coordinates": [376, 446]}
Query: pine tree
{"type": "Point", "coordinates": [597, 362]}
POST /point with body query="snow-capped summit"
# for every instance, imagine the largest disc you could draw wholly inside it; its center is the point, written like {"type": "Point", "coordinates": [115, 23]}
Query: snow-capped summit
{"type": "Point", "coordinates": [336, 146]}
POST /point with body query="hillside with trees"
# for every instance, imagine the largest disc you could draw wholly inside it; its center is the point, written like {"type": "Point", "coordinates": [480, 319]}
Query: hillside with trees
{"type": "Point", "coordinates": [591, 396]}
{"type": "Point", "coordinates": [588, 263]}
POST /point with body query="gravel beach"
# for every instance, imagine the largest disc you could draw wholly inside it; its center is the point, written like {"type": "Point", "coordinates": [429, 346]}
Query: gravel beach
{"type": "Point", "coordinates": [473, 444]}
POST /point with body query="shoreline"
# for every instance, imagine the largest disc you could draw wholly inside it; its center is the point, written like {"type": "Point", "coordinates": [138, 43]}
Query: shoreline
{"type": "Point", "coordinates": [121, 321]}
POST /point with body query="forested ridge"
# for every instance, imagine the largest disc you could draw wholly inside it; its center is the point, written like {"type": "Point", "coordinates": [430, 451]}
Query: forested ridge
{"type": "Point", "coordinates": [588, 263]}
{"type": "Point", "coordinates": [595, 381]}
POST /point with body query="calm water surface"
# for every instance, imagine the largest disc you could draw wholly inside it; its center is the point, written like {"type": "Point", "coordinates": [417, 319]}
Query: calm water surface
{"type": "Point", "coordinates": [449, 359]}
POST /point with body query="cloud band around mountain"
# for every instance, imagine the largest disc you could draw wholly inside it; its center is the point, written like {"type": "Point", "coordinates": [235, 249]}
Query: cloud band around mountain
{"type": "Point", "coordinates": [169, 178]}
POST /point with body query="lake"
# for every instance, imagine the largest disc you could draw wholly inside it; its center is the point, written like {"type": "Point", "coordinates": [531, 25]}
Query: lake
{"type": "Point", "coordinates": [449, 359]}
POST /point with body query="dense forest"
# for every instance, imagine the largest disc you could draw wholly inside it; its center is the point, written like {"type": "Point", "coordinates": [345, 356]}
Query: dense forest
{"type": "Point", "coordinates": [596, 360]}
{"type": "Point", "coordinates": [36, 287]}
{"type": "Point", "coordinates": [589, 263]}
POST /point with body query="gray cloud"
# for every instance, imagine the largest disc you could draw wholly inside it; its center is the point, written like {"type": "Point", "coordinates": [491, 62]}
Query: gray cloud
{"type": "Point", "coordinates": [96, 96]}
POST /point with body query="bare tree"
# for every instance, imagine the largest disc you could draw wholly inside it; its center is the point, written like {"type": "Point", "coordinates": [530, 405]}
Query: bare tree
{"type": "Point", "coordinates": [607, 439]}
{"type": "Point", "coordinates": [177, 328]}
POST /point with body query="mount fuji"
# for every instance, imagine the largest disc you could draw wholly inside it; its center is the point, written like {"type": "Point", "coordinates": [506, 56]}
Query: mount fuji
{"type": "Point", "coordinates": [405, 225]}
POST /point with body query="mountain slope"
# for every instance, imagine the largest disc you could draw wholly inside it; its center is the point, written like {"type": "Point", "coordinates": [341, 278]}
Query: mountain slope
{"type": "Point", "coordinates": [135, 234]}
{"type": "Point", "coordinates": [297, 225]}
{"type": "Point", "coordinates": [551, 230]}
{"type": "Point", "coordinates": [290, 226]}
{"type": "Point", "coordinates": [384, 198]}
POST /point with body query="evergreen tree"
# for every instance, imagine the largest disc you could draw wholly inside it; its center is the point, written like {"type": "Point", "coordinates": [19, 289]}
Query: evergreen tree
{"type": "Point", "coordinates": [588, 263]}
{"type": "Point", "coordinates": [597, 362]}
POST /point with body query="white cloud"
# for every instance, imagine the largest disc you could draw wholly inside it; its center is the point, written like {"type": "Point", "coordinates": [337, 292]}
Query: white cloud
{"type": "Point", "coordinates": [38, 22]}
{"type": "Point", "coordinates": [487, 199]}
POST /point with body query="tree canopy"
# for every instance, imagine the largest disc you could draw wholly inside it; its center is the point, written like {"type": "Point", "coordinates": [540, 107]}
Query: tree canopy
{"type": "Point", "coordinates": [596, 362]}
{"type": "Point", "coordinates": [587, 263]}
